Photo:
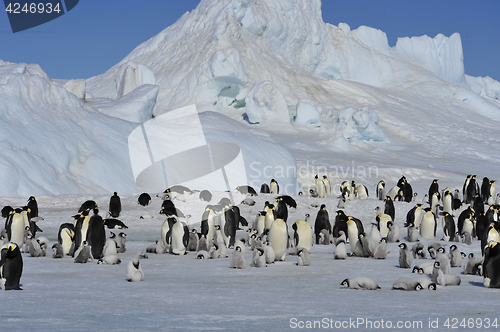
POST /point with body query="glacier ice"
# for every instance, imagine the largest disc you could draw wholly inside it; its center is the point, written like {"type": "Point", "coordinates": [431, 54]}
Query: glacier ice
{"type": "Point", "coordinates": [308, 113]}
{"type": "Point", "coordinates": [358, 124]}
{"type": "Point", "coordinates": [265, 103]}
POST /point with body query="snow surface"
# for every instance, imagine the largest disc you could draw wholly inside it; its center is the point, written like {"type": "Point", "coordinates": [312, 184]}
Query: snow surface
{"type": "Point", "coordinates": [180, 293]}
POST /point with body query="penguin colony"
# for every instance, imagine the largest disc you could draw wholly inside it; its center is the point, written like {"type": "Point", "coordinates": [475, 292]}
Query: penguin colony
{"type": "Point", "coordinates": [223, 232]}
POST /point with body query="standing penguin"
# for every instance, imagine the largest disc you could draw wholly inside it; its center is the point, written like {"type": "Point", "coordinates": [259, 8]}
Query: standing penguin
{"type": "Point", "coordinates": [448, 227]}
{"type": "Point", "coordinates": [428, 225]}
{"type": "Point", "coordinates": [471, 265]}
{"type": "Point", "coordinates": [84, 254]}
{"type": "Point", "coordinates": [259, 259]}
{"type": "Point", "coordinates": [96, 234]}
{"type": "Point", "coordinates": [193, 240]}
{"type": "Point", "coordinates": [393, 234]}
{"type": "Point", "coordinates": [65, 237]}
{"type": "Point", "coordinates": [320, 187]}
{"type": "Point", "coordinates": [389, 207]}
{"type": "Point", "coordinates": [237, 260]}
{"type": "Point", "coordinates": [278, 236]}
{"type": "Point", "coordinates": [448, 202]}
{"type": "Point", "coordinates": [340, 223]}
{"type": "Point", "coordinates": [456, 256]}
{"type": "Point", "coordinates": [302, 234]}
{"type": "Point", "coordinates": [354, 228]}
{"type": "Point", "coordinates": [434, 188]}
{"type": "Point", "coordinates": [328, 186]}
{"type": "Point", "coordinates": [322, 222]}
{"type": "Point", "coordinates": [405, 258]}
{"type": "Point", "coordinates": [381, 250]}
{"type": "Point", "coordinates": [208, 223]}
{"type": "Point", "coordinates": [15, 227]}
{"type": "Point", "coordinates": [228, 225]}
{"type": "Point", "coordinates": [269, 252]}
{"type": "Point", "coordinates": [472, 190]}
{"type": "Point", "coordinates": [264, 189]}
{"type": "Point", "coordinates": [11, 266]}
{"type": "Point", "coordinates": [340, 248]}
{"type": "Point", "coordinates": [33, 206]}
{"type": "Point", "coordinates": [180, 238]}
{"type": "Point", "coordinates": [381, 190]}
{"type": "Point", "coordinates": [412, 232]}
{"type": "Point", "coordinates": [144, 199]}
{"type": "Point", "coordinates": [303, 257]}
{"type": "Point", "coordinates": [382, 221]}
{"type": "Point", "coordinates": [121, 239]}
{"type": "Point", "coordinates": [362, 192]}
{"type": "Point", "coordinates": [443, 260]}
{"type": "Point", "coordinates": [466, 221]}
{"type": "Point", "coordinates": [115, 206]}
{"type": "Point", "coordinates": [81, 227]}
{"type": "Point", "coordinates": [274, 187]}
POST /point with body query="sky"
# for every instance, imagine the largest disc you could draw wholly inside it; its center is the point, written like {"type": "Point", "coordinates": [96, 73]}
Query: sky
{"type": "Point", "coordinates": [96, 35]}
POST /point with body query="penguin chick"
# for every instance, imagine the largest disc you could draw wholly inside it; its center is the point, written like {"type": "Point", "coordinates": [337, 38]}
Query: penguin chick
{"type": "Point", "coordinates": [471, 265]}
{"type": "Point", "coordinates": [193, 240]}
{"type": "Point", "coordinates": [405, 258]}
{"type": "Point", "coordinates": [259, 259]}
{"type": "Point", "coordinates": [110, 260]}
{"type": "Point", "coordinates": [57, 250]}
{"type": "Point", "coordinates": [443, 260]}
{"type": "Point", "coordinates": [418, 251]}
{"type": "Point", "coordinates": [303, 258]}
{"type": "Point", "coordinates": [269, 253]}
{"type": "Point", "coordinates": [202, 254]}
{"type": "Point", "coordinates": [237, 260]}
{"type": "Point", "coordinates": [120, 242]}
{"type": "Point", "coordinates": [393, 234]}
{"type": "Point", "coordinates": [407, 284]}
{"type": "Point", "coordinates": [134, 270]}
{"type": "Point", "coordinates": [85, 254]}
{"type": "Point", "coordinates": [381, 251]}
{"type": "Point", "coordinates": [340, 249]}
{"type": "Point", "coordinates": [456, 256]}
{"type": "Point", "coordinates": [360, 283]}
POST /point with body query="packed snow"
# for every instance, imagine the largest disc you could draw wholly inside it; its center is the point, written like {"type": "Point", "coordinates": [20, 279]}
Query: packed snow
{"type": "Point", "coordinates": [299, 98]}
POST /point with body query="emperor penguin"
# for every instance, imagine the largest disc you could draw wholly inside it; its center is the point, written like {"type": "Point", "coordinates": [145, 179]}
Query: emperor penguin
{"type": "Point", "coordinates": [260, 222]}
{"type": "Point", "coordinates": [259, 259]}
{"type": "Point", "coordinates": [81, 227]}
{"type": "Point", "coordinates": [115, 205]}
{"type": "Point", "coordinates": [425, 268]}
{"type": "Point", "coordinates": [434, 188]}
{"type": "Point", "coordinates": [448, 227]}
{"type": "Point", "coordinates": [205, 196]}
{"type": "Point", "coordinates": [144, 199]}
{"type": "Point", "coordinates": [66, 236]}
{"type": "Point", "coordinates": [456, 256]}
{"type": "Point", "coordinates": [435, 201]}
{"type": "Point", "coordinates": [84, 254]}
{"type": "Point", "coordinates": [428, 225]}
{"type": "Point", "coordinates": [32, 204]}
{"type": "Point", "coordinates": [278, 236]}
{"type": "Point", "coordinates": [274, 187]}
{"type": "Point", "coordinates": [302, 234]}
{"type": "Point", "coordinates": [303, 257]}
{"type": "Point", "coordinates": [389, 207]}
{"type": "Point", "coordinates": [416, 198]}
{"type": "Point", "coordinates": [269, 252]}
{"type": "Point", "coordinates": [493, 191]}
{"type": "Point", "coordinates": [447, 202]}
{"type": "Point", "coordinates": [466, 221]}
{"type": "Point", "coordinates": [407, 284]}
{"type": "Point", "coordinates": [57, 250]}
{"type": "Point", "coordinates": [382, 220]}
{"type": "Point", "coordinates": [322, 222]}
{"type": "Point", "coordinates": [381, 190]}
{"type": "Point", "coordinates": [362, 192]}
{"type": "Point", "coordinates": [15, 227]}
{"type": "Point", "coordinates": [328, 187]}
{"type": "Point", "coordinates": [11, 266]}
{"type": "Point", "coordinates": [269, 219]}
{"type": "Point", "coordinates": [264, 189]}
{"type": "Point", "coordinates": [360, 283]}
{"type": "Point", "coordinates": [320, 187]}
{"type": "Point", "coordinates": [110, 246]}
{"type": "Point", "coordinates": [405, 258]}
{"type": "Point", "coordinates": [208, 223]}
{"type": "Point", "coordinates": [134, 270]}
{"type": "Point", "coordinates": [34, 246]}
{"type": "Point", "coordinates": [367, 244]}
{"type": "Point", "coordinates": [340, 249]}
{"type": "Point", "coordinates": [340, 223]}
{"type": "Point", "coordinates": [354, 228]}
{"type": "Point", "coordinates": [381, 250]}
{"type": "Point", "coordinates": [492, 233]}
{"type": "Point", "coordinates": [418, 251]}
{"type": "Point", "coordinates": [412, 232]}
{"type": "Point", "coordinates": [202, 243]}
{"type": "Point", "coordinates": [193, 240]}
{"type": "Point", "coordinates": [393, 233]}
{"type": "Point", "coordinates": [443, 260]}
{"type": "Point", "coordinates": [481, 225]}
{"type": "Point", "coordinates": [471, 265]}
{"type": "Point", "coordinates": [180, 238]}
{"type": "Point", "coordinates": [121, 239]}
{"type": "Point", "coordinates": [464, 189]}
{"type": "Point", "coordinates": [228, 225]}
{"type": "Point", "coordinates": [237, 260]}
{"type": "Point", "coordinates": [375, 233]}
{"type": "Point", "coordinates": [472, 190]}
{"type": "Point", "coordinates": [96, 234]}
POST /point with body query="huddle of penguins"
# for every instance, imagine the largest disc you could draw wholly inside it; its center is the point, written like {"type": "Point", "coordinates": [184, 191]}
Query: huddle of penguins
{"type": "Point", "coordinates": [270, 239]}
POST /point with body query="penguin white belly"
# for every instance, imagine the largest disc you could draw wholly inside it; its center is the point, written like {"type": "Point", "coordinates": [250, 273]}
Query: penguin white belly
{"type": "Point", "coordinates": [269, 219]}
{"type": "Point", "coordinates": [85, 227]}
{"type": "Point", "coordinates": [164, 230]}
{"type": "Point", "coordinates": [67, 240]}
{"type": "Point", "coordinates": [17, 230]}
{"type": "Point", "coordinates": [320, 187]}
{"type": "Point", "coordinates": [352, 234]}
{"type": "Point", "coordinates": [468, 226]}
{"type": "Point", "coordinates": [427, 228]}
{"type": "Point", "coordinates": [260, 225]}
{"type": "Point", "coordinates": [211, 228]}
{"type": "Point", "coordinates": [418, 218]}
{"type": "Point", "coordinates": [447, 204]}
{"type": "Point", "coordinates": [278, 237]}
{"type": "Point", "coordinates": [305, 236]}
{"type": "Point", "coordinates": [177, 245]}
{"type": "Point", "coordinates": [493, 235]}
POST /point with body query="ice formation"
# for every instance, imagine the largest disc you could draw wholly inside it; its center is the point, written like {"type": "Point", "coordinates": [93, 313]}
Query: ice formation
{"type": "Point", "coordinates": [358, 124]}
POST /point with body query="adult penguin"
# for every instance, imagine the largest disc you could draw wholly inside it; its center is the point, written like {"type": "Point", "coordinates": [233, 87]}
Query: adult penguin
{"type": "Point", "coordinates": [228, 225]}
{"type": "Point", "coordinates": [414, 216]}
{"type": "Point", "coordinates": [466, 221]}
{"type": "Point", "coordinates": [144, 199]}
{"type": "Point", "coordinates": [15, 227]}
{"type": "Point", "coordinates": [240, 220]}
{"type": "Point", "coordinates": [278, 236]}
{"type": "Point", "coordinates": [274, 187]}
{"type": "Point", "coordinates": [362, 192]}
{"type": "Point", "coordinates": [472, 189]}
{"type": "Point", "coordinates": [179, 238]}
{"type": "Point", "coordinates": [33, 205]}
{"type": "Point", "coordinates": [208, 223]}
{"type": "Point", "coordinates": [81, 227]}
{"type": "Point", "coordinates": [320, 187]}
{"type": "Point", "coordinates": [434, 188]}
{"type": "Point", "coordinates": [264, 189]}
{"type": "Point", "coordinates": [166, 231]}
{"type": "Point", "coordinates": [327, 184]}
{"type": "Point", "coordinates": [492, 233]}
{"type": "Point", "coordinates": [464, 188]}
{"type": "Point", "coordinates": [354, 228]}
{"type": "Point", "coordinates": [449, 228]}
{"type": "Point", "coordinates": [270, 216]}
{"type": "Point", "coordinates": [96, 235]}
{"type": "Point", "coordinates": [302, 235]}
{"type": "Point", "coordinates": [481, 225]}
{"type": "Point", "coordinates": [382, 221]}
{"type": "Point", "coordinates": [380, 190]}
{"type": "Point", "coordinates": [491, 265]}
{"type": "Point", "coordinates": [11, 266]}
{"type": "Point", "coordinates": [428, 225]}
{"type": "Point", "coordinates": [87, 206]}
{"type": "Point", "coordinates": [340, 223]}
{"type": "Point", "coordinates": [115, 205]}
{"type": "Point", "coordinates": [281, 208]}
{"type": "Point", "coordinates": [65, 237]}
{"type": "Point", "coordinates": [168, 209]}
{"type": "Point", "coordinates": [322, 222]}
{"type": "Point", "coordinates": [448, 202]}
{"type": "Point", "coordinates": [485, 189]}
{"type": "Point", "coordinates": [389, 207]}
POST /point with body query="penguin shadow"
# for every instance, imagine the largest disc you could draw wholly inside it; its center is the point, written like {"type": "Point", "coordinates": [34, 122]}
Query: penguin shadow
{"type": "Point", "coordinates": [476, 283]}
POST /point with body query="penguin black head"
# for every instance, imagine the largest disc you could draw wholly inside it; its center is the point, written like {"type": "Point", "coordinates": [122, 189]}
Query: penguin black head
{"type": "Point", "coordinates": [384, 240]}
{"type": "Point", "coordinates": [261, 251]}
{"type": "Point", "coordinates": [453, 247]}
{"type": "Point", "coordinates": [471, 255]}
{"type": "Point", "coordinates": [322, 207]}
{"type": "Point", "coordinates": [441, 250]}
{"type": "Point", "coordinates": [345, 282]}
{"type": "Point", "coordinates": [437, 265]}
{"type": "Point", "coordinates": [237, 248]}
{"type": "Point", "coordinates": [316, 177]}
{"type": "Point", "coordinates": [96, 211]}
{"type": "Point", "coordinates": [415, 269]}
{"type": "Point", "coordinates": [432, 286]}
{"type": "Point", "coordinates": [403, 246]}
{"type": "Point", "coordinates": [324, 177]}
